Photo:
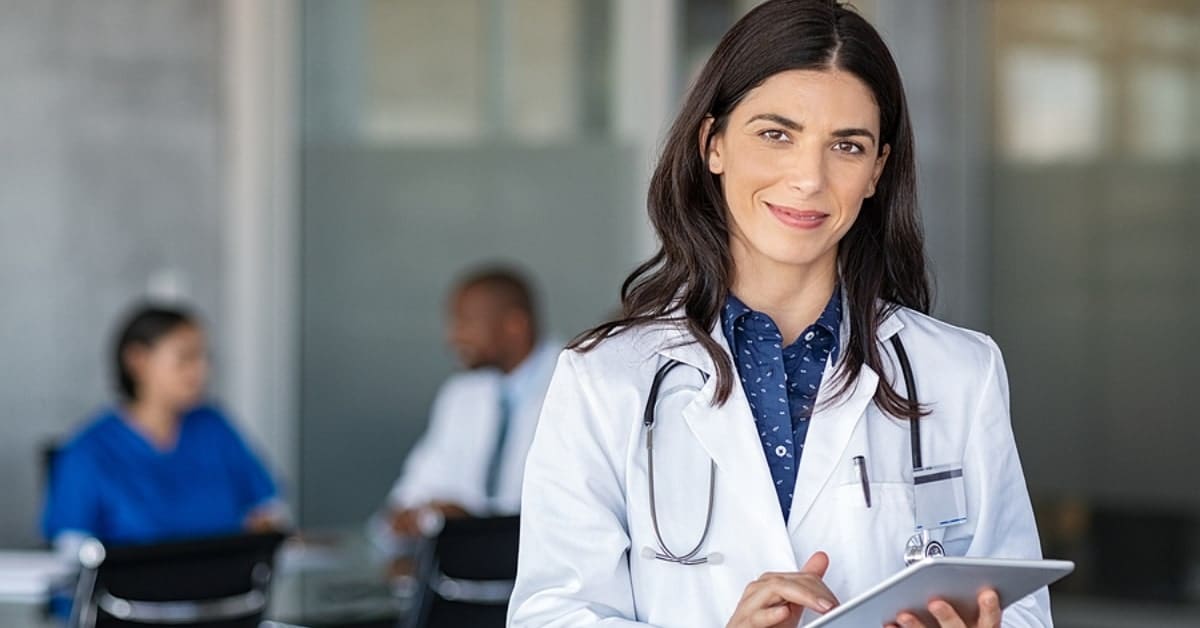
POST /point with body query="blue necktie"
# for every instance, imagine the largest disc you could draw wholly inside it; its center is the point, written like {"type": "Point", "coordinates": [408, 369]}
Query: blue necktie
{"type": "Point", "coordinates": [493, 471]}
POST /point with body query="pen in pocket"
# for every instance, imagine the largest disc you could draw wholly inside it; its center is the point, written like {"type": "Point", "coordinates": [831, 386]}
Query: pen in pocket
{"type": "Point", "coordinates": [860, 463]}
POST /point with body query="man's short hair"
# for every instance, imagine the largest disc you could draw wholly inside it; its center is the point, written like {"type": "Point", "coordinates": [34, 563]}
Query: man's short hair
{"type": "Point", "coordinates": [508, 285]}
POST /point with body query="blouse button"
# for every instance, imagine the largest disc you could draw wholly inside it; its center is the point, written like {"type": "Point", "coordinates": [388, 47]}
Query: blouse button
{"type": "Point", "coordinates": [808, 336]}
{"type": "Point", "coordinates": [781, 451]}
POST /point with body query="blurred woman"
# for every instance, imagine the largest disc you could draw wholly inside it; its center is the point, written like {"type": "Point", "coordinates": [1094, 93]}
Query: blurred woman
{"type": "Point", "coordinates": [160, 463]}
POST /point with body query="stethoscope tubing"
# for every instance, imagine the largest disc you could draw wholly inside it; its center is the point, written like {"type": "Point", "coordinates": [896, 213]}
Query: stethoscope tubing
{"type": "Point", "coordinates": [928, 547]}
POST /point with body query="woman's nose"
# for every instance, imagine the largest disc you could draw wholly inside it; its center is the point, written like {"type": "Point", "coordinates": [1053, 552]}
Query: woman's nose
{"type": "Point", "coordinates": [806, 171]}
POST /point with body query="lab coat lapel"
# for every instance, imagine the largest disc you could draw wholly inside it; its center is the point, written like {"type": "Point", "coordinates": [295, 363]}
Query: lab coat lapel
{"type": "Point", "coordinates": [833, 424]}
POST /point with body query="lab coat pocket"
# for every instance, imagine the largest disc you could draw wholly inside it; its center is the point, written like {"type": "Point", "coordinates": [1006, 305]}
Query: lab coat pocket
{"type": "Point", "coordinates": [870, 540]}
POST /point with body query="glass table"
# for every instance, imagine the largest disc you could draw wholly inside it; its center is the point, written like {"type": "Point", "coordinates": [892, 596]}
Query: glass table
{"type": "Point", "coordinates": [337, 578]}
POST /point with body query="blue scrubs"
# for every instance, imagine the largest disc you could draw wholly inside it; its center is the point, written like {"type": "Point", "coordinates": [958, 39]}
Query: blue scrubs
{"type": "Point", "coordinates": [111, 483]}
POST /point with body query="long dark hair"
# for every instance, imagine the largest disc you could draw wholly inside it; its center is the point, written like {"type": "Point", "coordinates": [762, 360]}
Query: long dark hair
{"type": "Point", "coordinates": [881, 258]}
{"type": "Point", "coordinates": [144, 326]}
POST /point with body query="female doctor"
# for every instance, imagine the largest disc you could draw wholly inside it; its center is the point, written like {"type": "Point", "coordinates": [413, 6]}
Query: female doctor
{"type": "Point", "coordinates": [765, 345]}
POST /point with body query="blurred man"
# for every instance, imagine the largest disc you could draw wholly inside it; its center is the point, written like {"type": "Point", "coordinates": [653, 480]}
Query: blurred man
{"type": "Point", "coordinates": [471, 459]}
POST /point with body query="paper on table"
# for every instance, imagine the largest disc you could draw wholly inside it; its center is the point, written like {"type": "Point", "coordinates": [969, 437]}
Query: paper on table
{"type": "Point", "coordinates": [29, 575]}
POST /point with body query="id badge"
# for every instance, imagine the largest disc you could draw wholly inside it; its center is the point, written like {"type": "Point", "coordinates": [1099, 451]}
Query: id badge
{"type": "Point", "coordinates": [940, 497]}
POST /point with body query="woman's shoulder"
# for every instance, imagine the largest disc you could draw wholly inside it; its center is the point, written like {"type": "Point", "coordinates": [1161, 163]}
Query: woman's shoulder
{"type": "Point", "coordinates": [950, 345]}
{"type": "Point", "coordinates": [93, 434]}
{"type": "Point", "coordinates": [210, 420]}
{"type": "Point", "coordinates": [628, 349]}
{"type": "Point", "coordinates": [95, 426]}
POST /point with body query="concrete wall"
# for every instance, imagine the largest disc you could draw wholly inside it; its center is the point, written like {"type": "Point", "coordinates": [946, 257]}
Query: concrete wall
{"type": "Point", "coordinates": [385, 233]}
{"type": "Point", "coordinates": [419, 161]}
{"type": "Point", "coordinates": [109, 187]}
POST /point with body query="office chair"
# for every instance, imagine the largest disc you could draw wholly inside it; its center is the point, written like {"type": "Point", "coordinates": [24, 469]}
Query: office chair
{"type": "Point", "coordinates": [221, 582]}
{"type": "Point", "coordinates": [47, 454]}
{"type": "Point", "coordinates": [466, 574]}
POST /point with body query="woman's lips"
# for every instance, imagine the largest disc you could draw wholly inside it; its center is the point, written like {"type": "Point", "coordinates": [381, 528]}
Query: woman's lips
{"type": "Point", "coordinates": [798, 218]}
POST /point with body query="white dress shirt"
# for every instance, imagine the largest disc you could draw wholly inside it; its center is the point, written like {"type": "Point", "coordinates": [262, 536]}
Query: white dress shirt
{"type": "Point", "coordinates": [450, 461]}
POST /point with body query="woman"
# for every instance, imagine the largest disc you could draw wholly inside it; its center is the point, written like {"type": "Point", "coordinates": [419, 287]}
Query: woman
{"type": "Point", "coordinates": [791, 265]}
{"type": "Point", "coordinates": [160, 464]}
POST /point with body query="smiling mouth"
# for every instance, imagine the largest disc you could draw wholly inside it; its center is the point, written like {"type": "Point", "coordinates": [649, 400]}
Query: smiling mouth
{"type": "Point", "coordinates": [798, 218]}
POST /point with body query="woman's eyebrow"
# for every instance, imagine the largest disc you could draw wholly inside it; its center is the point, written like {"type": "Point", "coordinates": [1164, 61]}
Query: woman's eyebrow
{"type": "Point", "coordinates": [855, 133]}
{"type": "Point", "coordinates": [791, 124]}
{"type": "Point", "coordinates": [785, 122]}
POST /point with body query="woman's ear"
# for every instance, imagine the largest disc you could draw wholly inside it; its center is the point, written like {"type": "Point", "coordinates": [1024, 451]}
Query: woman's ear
{"type": "Point", "coordinates": [134, 358]}
{"type": "Point", "coordinates": [710, 147]}
{"type": "Point", "coordinates": [880, 161]}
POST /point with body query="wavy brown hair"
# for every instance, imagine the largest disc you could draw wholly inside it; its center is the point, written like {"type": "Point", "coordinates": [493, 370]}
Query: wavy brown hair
{"type": "Point", "coordinates": [881, 258]}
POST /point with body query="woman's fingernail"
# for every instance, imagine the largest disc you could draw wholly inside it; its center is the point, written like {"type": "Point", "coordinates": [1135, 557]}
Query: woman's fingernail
{"type": "Point", "coordinates": [824, 604]}
{"type": "Point", "coordinates": [991, 600]}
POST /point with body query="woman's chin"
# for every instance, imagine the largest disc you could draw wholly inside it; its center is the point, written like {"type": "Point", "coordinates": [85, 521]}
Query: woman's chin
{"type": "Point", "coordinates": [801, 256]}
{"type": "Point", "coordinates": [188, 401]}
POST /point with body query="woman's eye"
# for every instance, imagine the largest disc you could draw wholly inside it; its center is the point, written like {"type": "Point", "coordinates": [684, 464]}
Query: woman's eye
{"type": "Point", "coordinates": [848, 147]}
{"type": "Point", "coordinates": [774, 135]}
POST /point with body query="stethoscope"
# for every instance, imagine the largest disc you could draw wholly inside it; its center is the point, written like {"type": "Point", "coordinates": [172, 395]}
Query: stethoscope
{"type": "Point", "coordinates": [918, 547]}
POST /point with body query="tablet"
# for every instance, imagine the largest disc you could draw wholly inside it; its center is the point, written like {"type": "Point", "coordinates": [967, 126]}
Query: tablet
{"type": "Point", "coordinates": [955, 580]}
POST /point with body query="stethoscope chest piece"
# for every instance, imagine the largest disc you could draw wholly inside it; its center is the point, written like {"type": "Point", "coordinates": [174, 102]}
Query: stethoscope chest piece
{"type": "Point", "coordinates": [920, 547]}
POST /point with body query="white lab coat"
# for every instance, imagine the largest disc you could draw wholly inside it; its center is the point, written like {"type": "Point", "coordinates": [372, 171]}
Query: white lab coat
{"type": "Point", "coordinates": [450, 461]}
{"type": "Point", "coordinates": [585, 514]}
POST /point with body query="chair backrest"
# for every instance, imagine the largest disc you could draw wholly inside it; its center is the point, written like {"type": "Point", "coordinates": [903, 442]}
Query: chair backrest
{"type": "Point", "coordinates": [47, 454]}
{"type": "Point", "coordinates": [217, 582]}
{"type": "Point", "coordinates": [467, 576]}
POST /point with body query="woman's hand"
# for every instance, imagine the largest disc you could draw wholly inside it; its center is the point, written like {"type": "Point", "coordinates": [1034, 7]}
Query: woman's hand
{"type": "Point", "coordinates": [262, 522]}
{"type": "Point", "coordinates": [270, 517]}
{"type": "Point", "coordinates": [947, 617]}
{"type": "Point", "coordinates": [776, 600]}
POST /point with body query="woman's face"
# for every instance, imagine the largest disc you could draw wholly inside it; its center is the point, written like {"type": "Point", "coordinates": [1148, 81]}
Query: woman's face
{"type": "Point", "coordinates": [796, 159]}
{"type": "Point", "coordinates": [174, 370]}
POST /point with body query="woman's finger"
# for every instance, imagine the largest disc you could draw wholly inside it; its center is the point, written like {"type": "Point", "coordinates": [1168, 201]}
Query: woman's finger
{"type": "Point", "coordinates": [945, 614]}
{"type": "Point", "coordinates": [770, 616]}
{"type": "Point", "coordinates": [989, 609]}
{"type": "Point", "coordinates": [799, 589]}
{"type": "Point", "coordinates": [780, 598]}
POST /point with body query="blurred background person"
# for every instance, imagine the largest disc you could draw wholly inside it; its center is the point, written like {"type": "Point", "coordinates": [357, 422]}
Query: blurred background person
{"type": "Point", "coordinates": [161, 463]}
{"type": "Point", "coordinates": [471, 459]}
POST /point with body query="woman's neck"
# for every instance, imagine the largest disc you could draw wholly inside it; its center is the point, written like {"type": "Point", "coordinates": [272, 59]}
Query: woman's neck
{"type": "Point", "coordinates": [793, 295]}
{"type": "Point", "coordinates": [157, 421]}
